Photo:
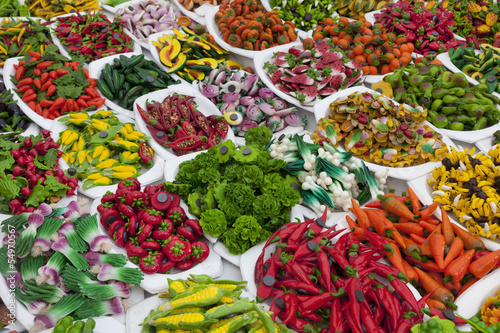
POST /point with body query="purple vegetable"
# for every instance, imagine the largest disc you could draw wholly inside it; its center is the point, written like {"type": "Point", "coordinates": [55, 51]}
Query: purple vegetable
{"type": "Point", "coordinates": [285, 112]}
{"type": "Point", "coordinates": [247, 100]}
{"type": "Point", "coordinates": [267, 109]}
{"type": "Point", "coordinates": [254, 113]}
{"type": "Point", "coordinates": [278, 104]}
{"type": "Point", "coordinates": [231, 97]}
{"type": "Point", "coordinates": [274, 122]}
{"type": "Point", "coordinates": [295, 120]}
{"type": "Point", "coordinates": [227, 107]}
{"type": "Point", "coordinates": [266, 93]}
{"type": "Point", "coordinates": [211, 91]}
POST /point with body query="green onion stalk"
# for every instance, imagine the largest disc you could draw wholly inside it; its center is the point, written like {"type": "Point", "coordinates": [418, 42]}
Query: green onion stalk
{"type": "Point", "coordinates": [86, 228]}
{"type": "Point", "coordinates": [50, 272]}
{"type": "Point", "coordinates": [44, 236]}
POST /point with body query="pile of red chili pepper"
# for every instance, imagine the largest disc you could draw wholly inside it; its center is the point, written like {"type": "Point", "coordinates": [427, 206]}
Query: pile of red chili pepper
{"type": "Point", "coordinates": [313, 281]}
{"type": "Point", "coordinates": [176, 123]}
{"type": "Point", "coordinates": [152, 227]}
{"type": "Point", "coordinates": [429, 30]}
{"type": "Point", "coordinates": [93, 35]}
{"type": "Point", "coordinates": [53, 85]}
{"type": "Point", "coordinates": [440, 257]}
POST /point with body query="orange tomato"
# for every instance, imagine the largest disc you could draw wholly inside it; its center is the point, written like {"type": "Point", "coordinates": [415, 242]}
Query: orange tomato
{"type": "Point", "coordinates": [385, 69]}
{"type": "Point", "coordinates": [405, 60]}
{"type": "Point", "coordinates": [317, 35]}
{"type": "Point", "coordinates": [358, 49]}
{"type": "Point", "coordinates": [335, 40]}
{"type": "Point", "coordinates": [328, 21]}
{"type": "Point", "coordinates": [366, 39]}
{"type": "Point", "coordinates": [360, 59]}
{"type": "Point", "coordinates": [397, 52]}
{"type": "Point", "coordinates": [365, 70]}
{"type": "Point", "coordinates": [437, 62]}
{"type": "Point", "coordinates": [394, 64]}
{"type": "Point", "coordinates": [373, 70]}
{"type": "Point", "coordinates": [389, 56]}
{"type": "Point", "coordinates": [344, 21]}
{"type": "Point", "coordinates": [343, 44]}
{"type": "Point", "coordinates": [342, 33]}
{"type": "Point", "coordinates": [411, 47]}
{"type": "Point", "coordinates": [348, 38]}
{"type": "Point", "coordinates": [405, 54]}
{"type": "Point", "coordinates": [403, 48]}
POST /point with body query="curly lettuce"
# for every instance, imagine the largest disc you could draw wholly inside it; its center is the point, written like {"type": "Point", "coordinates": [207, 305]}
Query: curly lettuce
{"type": "Point", "coordinates": [209, 175]}
{"type": "Point", "coordinates": [213, 222]}
{"type": "Point", "coordinates": [251, 175]}
{"type": "Point", "coordinates": [234, 243]}
{"type": "Point", "coordinates": [258, 136]}
{"type": "Point", "coordinates": [240, 194]}
{"type": "Point", "coordinates": [266, 206]}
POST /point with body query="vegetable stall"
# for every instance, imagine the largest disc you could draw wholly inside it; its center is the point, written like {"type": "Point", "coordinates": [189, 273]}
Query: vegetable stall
{"type": "Point", "coordinates": [254, 166]}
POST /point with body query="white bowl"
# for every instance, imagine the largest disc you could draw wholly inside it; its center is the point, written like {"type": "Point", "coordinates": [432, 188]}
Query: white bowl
{"type": "Point", "coordinates": [302, 34]}
{"type": "Point", "coordinates": [204, 105]}
{"type": "Point", "coordinates": [485, 145]}
{"type": "Point", "coordinates": [138, 312]}
{"type": "Point", "coordinates": [154, 283]}
{"type": "Point", "coordinates": [424, 192]}
{"type": "Point", "coordinates": [213, 29]}
{"type": "Point", "coordinates": [197, 15]}
{"type": "Point", "coordinates": [95, 69]}
{"type": "Point", "coordinates": [147, 176]}
{"type": "Point", "coordinates": [109, 8]}
{"type": "Point", "coordinates": [136, 48]}
{"type": "Point", "coordinates": [322, 109]}
{"type": "Point", "coordinates": [471, 301]}
{"type": "Point", "coordinates": [9, 71]}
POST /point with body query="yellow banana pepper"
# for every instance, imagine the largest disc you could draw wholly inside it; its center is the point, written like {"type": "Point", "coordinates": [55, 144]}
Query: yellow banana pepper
{"type": "Point", "coordinates": [123, 175]}
{"type": "Point", "coordinates": [102, 181]}
{"type": "Point", "coordinates": [107, 164]}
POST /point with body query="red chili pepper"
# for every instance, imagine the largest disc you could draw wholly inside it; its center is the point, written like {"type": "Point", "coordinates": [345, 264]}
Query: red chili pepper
{"type": "Point", "coordinates": [35, 55]}
{"type": "Point", "coordinates": [363, 259]}
{"type": "Point", "coordinates": [28, 98]}
{"type": "Point", "coordinates": [292, 304]}
{"type": "Point", "coordinates": [383, 270]}
{"type": "Point", "coordinates": [404, 291]}
{"type": "Point", "coordinates": [341, 244]}
{"type": "Point", "coordinates": [187, 143]}
{"type": "Point", "coordinates": [298, 233]}
{"type": "Point", "coordinates": [324, 267]}
{"type": "Point", "coordinates": [337, 323]}
{"type": "Point", "coordinates": [314, 302]}
{"type": "Point", "coordinates": [404, 324]}
{"type": "Point", "coordinates": [378, 241]}
{"type": "Point", "coordinates": [296, 285]}
{"type": "Point", "coordinates": [19, 72]}
{"type": "Point", "coordinates": [27, 80]}
{"type": "Point", "coordinates": [391, 304]}
{"type": "Point", "coordinates": [61, 72]}
{"type": "Point", "coordinates": [265, 288]}
{"type": "Point", "coordinates": [340, 259]}
{"type": "Point", "coordinates": [37, 83]}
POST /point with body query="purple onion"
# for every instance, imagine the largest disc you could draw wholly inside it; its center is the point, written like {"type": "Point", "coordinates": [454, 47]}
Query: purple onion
{"type": "Point", "coordinates": [101, 243]}
{"type": "Point", "coordinates": [48, 275]}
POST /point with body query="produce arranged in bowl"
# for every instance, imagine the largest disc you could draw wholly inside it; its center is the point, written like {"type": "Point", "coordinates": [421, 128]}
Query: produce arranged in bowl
{"type": "Point", "coordinates": [146, 17]}
{"type": "Point", "coordinates": [236, 192]}
{"type": "Point", "coordinates": [342, 276]}
{"type": "Point", "coordinates": [13, 8]}
{"type": "Point", "coordinates": [192, 5]}
{"type": "Point", "coordinates": [328, 177]}
{"type": "Point", "coordinates": [33, 35]}
{"type": "Point", "coordinates": [63, 86]}
{"type": "Point", "coordinates": [484, 68]}
{"type": "Point", "coordinates": [92, 35]}
{"type": "Point", "coordinates": [414, 232]}
{"type": "Point", "coordinates": [377, 130]}
{"type": "Point", "coordinates": [245, 101]}
{"type": "Point", "coordinates": [304, 15]}
{"type": "Point", "coordinates": [177, 123]}
{"type": "Point", "coordinates": [451, 103]}
{"type": "Point", "coordinates": [259, 32]}
{"type": "Point", "coordinates": [473, 199]}
{"type": "Point", "coordinates": [102, 150]}
{"type": "Point", "coordinates": [310, 74]}
{"type": "Point", "coordinates": [190, 54]}
{"type": "Point", "coordinates": [476, 20]}
{"type": "Point", "coordinates": [128, 78]}
{"type": "Point", "coordinates": [53, 8]}
{"type": "Point", "coordinates": [149, 224]}
{"type": "Point", "coordinates": [31, 174]}
{"type": "Point", "coordinates": [430, 30]}
{"type": "Point", "coordinates": [373, 46]}
{"type": "Point", "coordinates": [54, 277]}
{"type": "Point", "coordinates": [223, 308]}
{"type": "Point", "coordinates": [12, 118]}
{"type": "Point", "coordinates": [357, 9]}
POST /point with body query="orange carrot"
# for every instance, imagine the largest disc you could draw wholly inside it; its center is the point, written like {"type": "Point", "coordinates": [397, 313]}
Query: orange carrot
{"type": "Point", "coordinates": [453, 286]}
{"type": "Point", "coordinates": [448, 233]}
{"type": "Point", "coordinates": [427, 226]}
{"type": "Point", "coordinates": [410, 228]}
{"type": "Point", "coordinates": [362, 217]}
{"type": "Point", "coordinates": [394, 206]}
{"type": "Point", "coordinates": [429, 266]}
{"type": "Point", "coordinates": [432, 303]}
{"type": "Point", "coordinates": [351, 222]}
{"type": "Point", "coordinates": [470, 241]}
{"type": "Point", "coordinates": [398, 238]}
{"type": "Point", "coordinates": [376, 220]}
{"type": "Point", "coordinates": [415, 203]}
{"type": "Point", "coordinates": [437, 276]}
{"type": "Point", "coordinates": [427, 211]}
{"type": "Point", "coordinates": [411, 248]}
{"type": "Point", "coordinates": [467, 285]}
{"type": "Point", "coordinates": [439, 293]}
{"type": "Point", "coordinates": [360, 233]}
{"type": "Point", "coordinates": [483, 265]}
{"type": "Point", "coordinates": [455, 248]}
{"type": "Point", "coordinates": [432, 220]}
{"type": "Point", "coordinates": [396, 259]}
{"type": "Point", "coordinates": [410, 272]}
{"type": "Point", "coordinates": [417, 239]}
{"type": "Point", "coordinates": [437, 246]}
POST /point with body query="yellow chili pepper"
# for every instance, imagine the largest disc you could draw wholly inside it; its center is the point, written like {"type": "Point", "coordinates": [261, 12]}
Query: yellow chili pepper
{"type": "Point", "coordinates": [98, 151]}
{"type": "Point", "coordinates": [96, 175]}
{"type": "Point", "coordinates": [124, 168]}
{"type": "Point", "coordinates": [123, 175]}
{"type": "Point", "coordinates": [102, 181]}
{"type": "Point", "coordinates": [79, 115]}
{"type": "Point", "coordinates": [106, 164]}
{"type": "Point", "coordinates": [104, 155]}
{"type": "Point", "coordinates": [100, 125]}
{"type": "Point", "coordinates": [81, 155]}
{"type": "Point", "coordinates": [21, 33]}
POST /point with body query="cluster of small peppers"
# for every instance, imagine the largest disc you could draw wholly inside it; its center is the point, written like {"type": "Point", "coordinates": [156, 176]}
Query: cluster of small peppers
{"type": "Point", "coordinates": [430, 30]}
{"type": "Point", "coordinates": [152, 227]}
{"type": "Point", "coordinates": [312, 281]}
{"type": "Point", "coordinates": [102, 150]}
{"type": "Point", "coordinates": [54, 8]}
{"type": "Point", "coordinates": [176, 123]}
{"type": "Point", "coordinates": [93, 35]}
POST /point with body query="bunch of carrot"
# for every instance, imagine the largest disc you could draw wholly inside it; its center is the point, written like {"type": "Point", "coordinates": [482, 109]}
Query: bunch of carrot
{"type": "Point", "coordinates": [376, 49]}
{"type": "Point", "coordinates": [439, 256]}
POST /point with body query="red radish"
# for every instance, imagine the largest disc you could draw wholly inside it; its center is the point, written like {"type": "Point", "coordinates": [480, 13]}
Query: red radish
{"type": "Point", "coordinates": [27, 142]}
{"type": "Point", "coordinates": [22, 161]}
{"type": "Point", "coordinates": [26, 191]}
{"type": "Point", "coordinates": [17, 171]}
{"type": "Point", "coordinates": [33, 152]}
{"type": "Point", "coordinates": [45, 133]}
{"type": "Point", "coordinates": [15, 153]}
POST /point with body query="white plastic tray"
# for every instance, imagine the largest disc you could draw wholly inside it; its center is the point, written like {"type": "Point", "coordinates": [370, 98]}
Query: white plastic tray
{"type": "Point", "coordinates": [424, 192]}
{"type": "Point", "coordinates": [204, 105]}
{"type": "Point", "coordinates": [138, 312]}
{"type": "Point", "coordinates": [471, 301]}
{"type": "Point", "coordinates": [485, 145]}
{"type": "Point", "coordinates": [197, 15]}
{"type": "Point", "coordinates": [9, 71]}
{"type": "Point", "coordinates": [322, 109]}
{"type": "Point", "coordinates": [154, 283]}
{"type": "Point", "coordinates": [136, 48]}
{"type": "Point", "coordinates": [147, 176]}
{"type": "Point", "coordinates": [95, 69]}
{"type": "Point", "coordinates": [108, 8]}
{"type": "Point", "coordinates": [213, 29]}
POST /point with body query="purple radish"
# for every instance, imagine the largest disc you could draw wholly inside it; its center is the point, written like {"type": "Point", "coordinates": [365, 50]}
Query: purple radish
{"type": "Point", "coordinates": [231, 97]}
{"type": "Point", "coordinates": [236, 76]}
{"type": "Point", "coordinates": [247, 100]}
{"type": "Point", "coordinates": [247, 124]}
{"type": "Point", "coordinates": [295, 120]}
{"type": "Point", "coordinates": [254, 113]}
{"type": "Point", "coordinates": [241, 109]}
{"type": "Point", "coordinates": [285, 112]}
{"type": "Point", "coordinates": [249, 81]}
{"type": "Point", "coordinates": [278, 104]}
{"type": "Point", "coordinates": [220, 78]}
{"type": "Point", "coordinates": [255, 88]}
{"type": "Point", "coordinates": [267, 109]}
{"type": "Point", "coordinates": [227, 107]}
{"type": "Point", "coordinates": [273, 122]}
{"type": "Point", "coordinates": [211, 91]}
{"type": "Point", "coordinates": [266, 93]}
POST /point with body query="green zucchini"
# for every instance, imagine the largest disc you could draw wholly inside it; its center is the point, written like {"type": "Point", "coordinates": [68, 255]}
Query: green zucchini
{"type": "Point", "coordinates": [134, 91]}
{"type": "Point", "coordinates": [106, 74]}
{"type": "Point", "coordinates": [134, 61]}
{"type": "Point", "coordinates": [116, 79]}
{"type": "Point", "coordinates": [126, 87]}
{"type": "Point", "coordinates": [134, 79]}
{"type": "Point", "coordinates": [122, 81]}
{"type": "Point", "coordinates": [103, 87]}
{"type": "Point", "coordinates": [121, 94]}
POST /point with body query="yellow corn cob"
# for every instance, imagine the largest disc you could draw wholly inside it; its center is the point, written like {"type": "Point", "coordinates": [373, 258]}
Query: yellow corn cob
{"type": "Point", "coordinates": [122, 175]}
{"type": "Point", "coordinates": [227, 300]}
{"type": "Point", "coordinates": [213, 309]}
{"type": "Point", "coordinates": [76, 121]}
{"type": "Point", "coordinates": [181, 331]}
{"type": "Point", "coordinates": [106, 164]}
{"type": "Point", "coordinates": [178, 286]}
{"type": "Point", "coordinates": [203, 294]}
{"type": "Point", "coordinates": [81, 143]}
{"type": "Point", "coordinates": [185, 318]}
{"type": "Point", "coordinates": [100, 125]}
{"type": "Point", "coordinates": [124, 168]}
{"type": "Point", "coordinates": [225, 327]}
{"type": "Point", "coordinates": [261, 329]}
{"type": "Point", "coordinates": [219, 323]}
{"type": "Point", "coordinates": [104, 155]}
{"type": "Point", "coordinates": [187, 310]}
{"type": "Point", "coordinates": [163, 330]}
{"type": "Point", "coordinates": [224, 286]}
{"type": "Point", "coordinates": [65, 157]}
{"type": "Point", "coordinates": [102, 181]}
{"type": "Point", "coordinates": [132, 136]}
{"type": "Point", "coordinates": [96, 175]}
{"type": "Point", "coordinates": [129, 145]}
{"type": "Point", "coordinates": [68, 137]}
{"type": "Point", "coordinates": [190, 283]}
{"type": "Point", "coordinates": [491, 18]}
{"type": "Point", "coordinates": [72, 158]}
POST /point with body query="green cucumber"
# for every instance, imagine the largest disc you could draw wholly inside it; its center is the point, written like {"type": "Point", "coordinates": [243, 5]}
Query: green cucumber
{"type": "Point", "coordinates": [126, 87]}
{"type": "Point", "coordinates": [116, 79]}
{"type": "Point", "coordinates": [122, 81]}
{"type": "Point", "coordinates": [134, 79]}
{"type": "Point", "coordinates": [134, 91]}
{"type": "Point", "coordinates": [103, 87]}
{"type": "Point", "coordinates": [106, 74]}
{"type": "Point", "coordinates": [134, 61]}
{"type": "Point", "coordinates": [121, 94]}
